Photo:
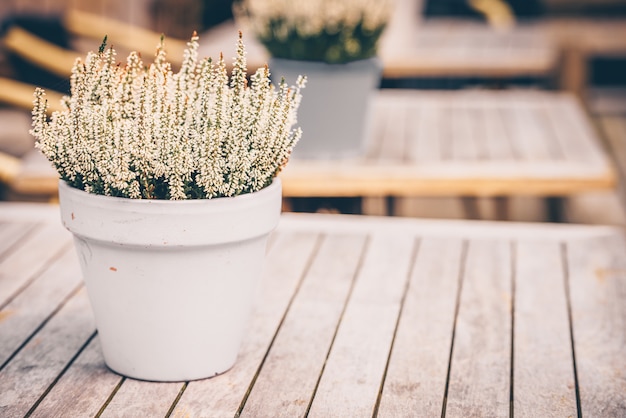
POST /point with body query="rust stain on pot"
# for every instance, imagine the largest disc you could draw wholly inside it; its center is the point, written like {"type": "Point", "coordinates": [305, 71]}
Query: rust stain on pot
{"type": "Point", "coordinates": [73, 217]}
{"type": "Point", "coordinates": [112, 269]}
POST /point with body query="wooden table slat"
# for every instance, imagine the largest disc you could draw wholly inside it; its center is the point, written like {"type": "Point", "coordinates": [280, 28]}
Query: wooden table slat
{"type": "Point", "coordinates": [597, 289]}
{"type": "Point", "coordinates": [496, 138]}
{"type": "Point", "coordinates": [129, 400]}
{"type": "Point", "coordinates": [533, 143]}
{"type": "Point", "coordinates": [46, 355]}
{"type": "Point", "coordinates": [479, 382]}
{"type": "Point", "coordinates": [352, 375]}
{"type": "Point", "coordinates": [22, 316]}
{"type": "Point", "coordinates": [10, 234]}
{"type": "Point", "coordinates": [544, 364]}
{"type": "Point", "coordinates": [29, 258]}
{"type": "Point", "coordinates": [307, 332]}
{"type": "Point", "coordinates": [84, 388]}
{"type": "Point", "coordinates": [416, 377]}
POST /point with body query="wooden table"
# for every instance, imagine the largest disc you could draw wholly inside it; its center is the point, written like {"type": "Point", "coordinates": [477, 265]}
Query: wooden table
{"type": "Point", "coordinates": [466, 143]}
{"type": "Point", "coordinates": [356, 316]}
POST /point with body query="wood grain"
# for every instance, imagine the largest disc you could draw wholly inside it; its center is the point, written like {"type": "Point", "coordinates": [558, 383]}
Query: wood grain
{"type": "Point", "coordinates": [83, 389]}
{"type": "Point", "coordinates": [480, 366]}
{"type": "Point", "coordinates": [32, 256]}
{"type": "Point", "coordinates": [11, 234]}
{"type": "Point", "coordinates": [416, 376]}
{"type": "Point", "coordinates": [32, 307]}
{"type": "Point", "coordinates": [287, 381]}
{"type": "Point", "coordinates": [356, 363]}
{"type": "Point", "coordinates": [597, 286]}
{"type": "Point", "coordinates": [543, 383]}
{"type": "Point", "coordinates": [46, 355]}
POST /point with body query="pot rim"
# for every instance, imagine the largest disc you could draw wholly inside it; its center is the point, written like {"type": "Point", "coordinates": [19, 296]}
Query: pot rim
{"type": "Point", "coordinates": [160, 223]}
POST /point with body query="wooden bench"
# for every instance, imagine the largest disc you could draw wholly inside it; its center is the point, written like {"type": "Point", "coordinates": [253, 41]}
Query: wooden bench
{"type": "Point", "coordinates": [466, 143]}
{"type": "Point", "coordinates": [356, 316]}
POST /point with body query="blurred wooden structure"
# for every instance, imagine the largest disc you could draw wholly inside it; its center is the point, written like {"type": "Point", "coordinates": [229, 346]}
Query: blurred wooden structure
{"type": "Point", "coordinates": [470, 143]}
{"type": "Point", "coordinates": [556, 50]}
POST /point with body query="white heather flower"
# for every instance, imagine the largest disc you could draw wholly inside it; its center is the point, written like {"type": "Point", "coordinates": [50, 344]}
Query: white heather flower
{"type": "Point", "coordinates": [146, 132]}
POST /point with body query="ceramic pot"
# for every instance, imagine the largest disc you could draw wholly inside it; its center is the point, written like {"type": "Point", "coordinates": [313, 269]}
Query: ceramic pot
{"type": "Point", "coordinates": [171, 283]}
{"type": "Point", "coordinates": [334, 110]}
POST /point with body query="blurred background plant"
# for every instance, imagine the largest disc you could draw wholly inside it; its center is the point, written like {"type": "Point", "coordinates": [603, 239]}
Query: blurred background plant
{"type": "Point", "coordinates": [317, 30]}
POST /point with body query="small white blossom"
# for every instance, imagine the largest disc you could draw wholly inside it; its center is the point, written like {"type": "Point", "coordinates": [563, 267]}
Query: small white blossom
{"type": "Point", "coordinates": [317, 30]}
{"type": "Point", "coordinates": [146, 132]}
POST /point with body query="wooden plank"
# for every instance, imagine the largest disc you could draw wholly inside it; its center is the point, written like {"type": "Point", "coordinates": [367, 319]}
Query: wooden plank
{"type": "Point", "coordinates": [136, 398]}
{"type": "Point", "coordinates": [287, 263]}
{"type": "Point", "coordinates": [530, 141]}
{"type": "Point", "coordinates": [10, 234]}
{"type": "Point", "coordinates": [497, 139]}
{"type": "Point", "coordinates": [45, 356]}
{"type": "Point", "coordinates": [543, 383]}
{"type": "Point", "coordinates": [393, 142]}
{"type": "Point", "coordinates": [463, 143]}
{"type": "Point", "coordinates": [450, 228]}
{"type": "Point", "coordinates": [83, 389]}
{"type": "Point", "coordinates": [359, 354]}
{"type": "Point", "coordinates": [573, 131]}
{"type": "Point", "coordinates": [614, 128]}
{"type": "Point", "coordinates": [597, 288]}
{"type": "Point", "coordinates": [33, 254]}
{"type": "Point", "coordinates": [286, 383]}
{"type": "Point", "coordinates": [416, 376]}
{"type": "Point", "coordinates": [32, 307]}
{"type": "Point", "coordinates": [425, 143]}
{"type": "Point", "coordinates": [481, 358]}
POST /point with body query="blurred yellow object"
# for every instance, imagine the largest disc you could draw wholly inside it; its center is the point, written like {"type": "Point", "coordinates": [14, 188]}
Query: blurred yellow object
{"type": "Point", "coordinates": [497, 12]}
{"type": "Point", "coordinates": [40, 52]}
{"type": "Point", "coordinates": [9, 168]}
{"type": "Point", "coordinates": [20, 95]}
{"type": "Point", "coordinates": [59, 61]}
{"type": "Point", "coordinates": [122, 34]}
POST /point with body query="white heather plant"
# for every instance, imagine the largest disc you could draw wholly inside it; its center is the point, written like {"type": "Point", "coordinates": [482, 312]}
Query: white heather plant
{"type": "Point", "coordinates": [331, 31]}
{"type": "Point", "coordinates": [146, 132]}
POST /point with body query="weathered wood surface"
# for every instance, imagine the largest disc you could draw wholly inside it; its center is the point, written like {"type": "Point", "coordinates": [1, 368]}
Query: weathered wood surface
{"type": "Point", "coordinates": [471, 143]}
{"type": "Point", "coordinates": [357, 316]}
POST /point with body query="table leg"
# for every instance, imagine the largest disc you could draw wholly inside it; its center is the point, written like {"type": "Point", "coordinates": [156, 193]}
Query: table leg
{"type": "Point", "coordinates": [470, 207]}
{"type": "Point", "coordinates": [555, 209]}
{"type": "Point", "coordinates": [501, 207]}
{"type": "Point", "coordinates": [390, 205]}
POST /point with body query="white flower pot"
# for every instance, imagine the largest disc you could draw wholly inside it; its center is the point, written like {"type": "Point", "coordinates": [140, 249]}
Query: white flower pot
{"type": "Point", "coordinates": [334, 109]}
{"type": "Point", "coordinates": [171, 283]}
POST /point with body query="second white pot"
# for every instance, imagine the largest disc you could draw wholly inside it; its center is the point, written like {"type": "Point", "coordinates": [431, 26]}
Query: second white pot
{"type": "Point", "coordinates": [333, 114]}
